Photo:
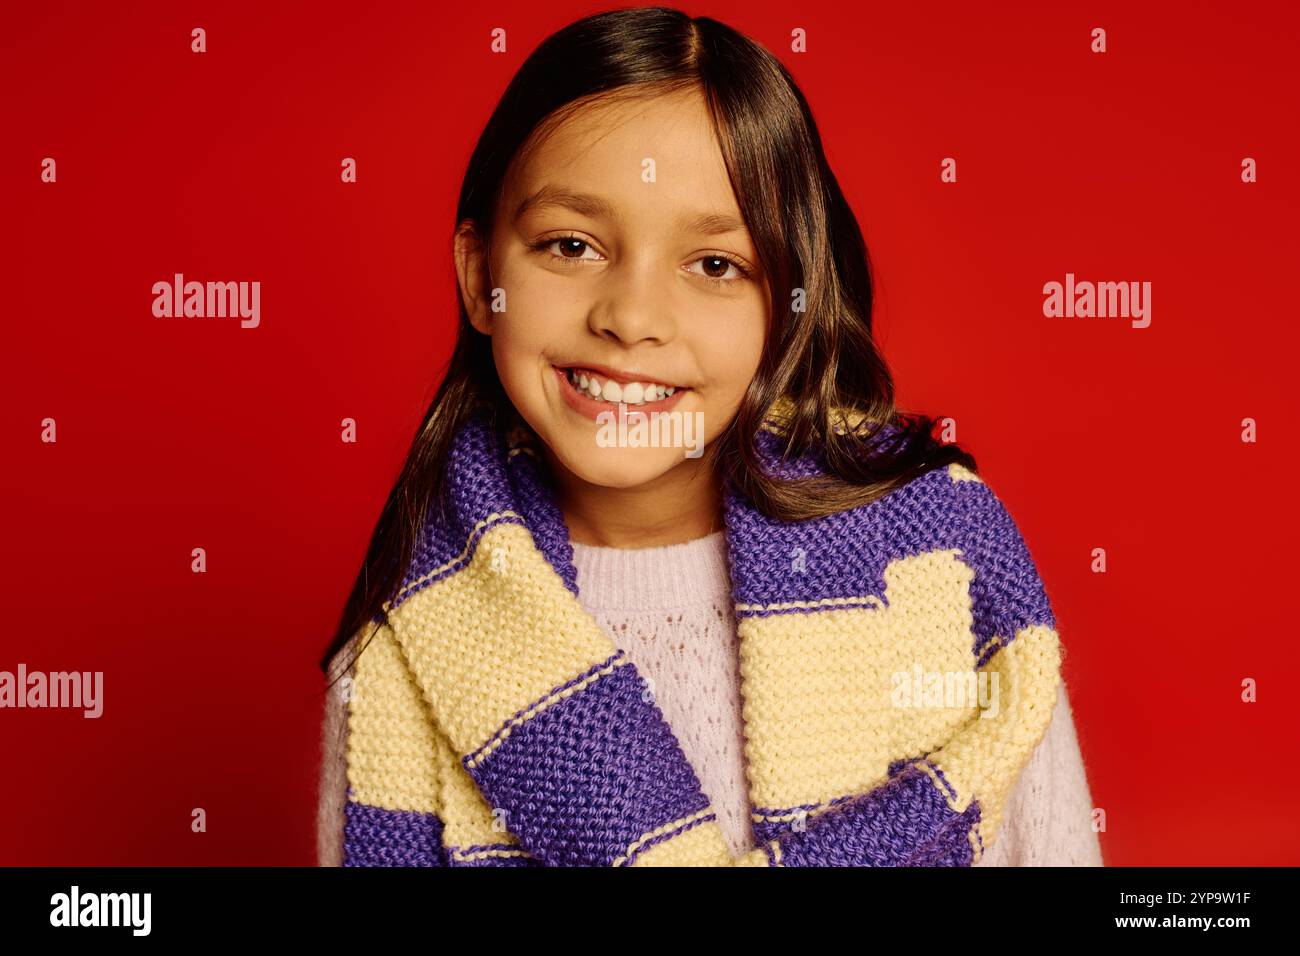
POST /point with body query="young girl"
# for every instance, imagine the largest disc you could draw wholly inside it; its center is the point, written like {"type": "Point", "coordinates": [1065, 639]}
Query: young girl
{"type": "Point", "coordinates": [666, 579]}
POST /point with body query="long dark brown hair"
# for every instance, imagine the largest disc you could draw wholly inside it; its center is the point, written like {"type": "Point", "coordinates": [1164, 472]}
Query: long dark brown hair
{"type": "Point", "coordinates": [821, 359]}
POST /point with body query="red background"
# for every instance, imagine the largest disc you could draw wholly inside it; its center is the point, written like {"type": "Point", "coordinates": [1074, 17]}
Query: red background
{"type": "Point", "coordinates": [175, 434]}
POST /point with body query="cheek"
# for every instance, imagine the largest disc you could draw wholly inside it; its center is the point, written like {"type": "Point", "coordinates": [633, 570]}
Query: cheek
{"type": "Point", "coordinates": [518, 357]}
{"type": "Point", "coordinates": [543, 306]}
{"type": "Point", "coordinates": [523, 334]}
{"type": "Point", "coordinates": [732, 349]}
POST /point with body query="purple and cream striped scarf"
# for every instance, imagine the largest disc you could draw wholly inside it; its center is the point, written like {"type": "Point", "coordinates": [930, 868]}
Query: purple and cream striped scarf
{"type": "Point", "coordinates": [899, 662]}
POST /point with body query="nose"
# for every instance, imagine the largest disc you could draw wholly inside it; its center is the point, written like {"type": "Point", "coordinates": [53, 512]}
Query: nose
{"type": "Point", "coordinates": [635, 305]}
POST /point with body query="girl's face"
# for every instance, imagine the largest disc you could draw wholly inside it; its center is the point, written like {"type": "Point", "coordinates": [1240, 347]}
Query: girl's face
{"type": "Point", "coordinates": [620, 271]}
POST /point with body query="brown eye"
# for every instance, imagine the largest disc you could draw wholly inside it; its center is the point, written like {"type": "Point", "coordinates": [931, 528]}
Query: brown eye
{"type": "Point", "coordinates": [715, 269]}
{"type": "Point", "coordinates": [568, 249]}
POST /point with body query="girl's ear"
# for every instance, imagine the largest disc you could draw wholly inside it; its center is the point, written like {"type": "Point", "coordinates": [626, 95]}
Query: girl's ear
{"type": "Point", "coordinates": [473, 276]}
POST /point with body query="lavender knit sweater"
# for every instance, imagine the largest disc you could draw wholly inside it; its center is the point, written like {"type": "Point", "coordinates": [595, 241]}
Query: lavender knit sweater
{"type": "Point", "coordinates": [669, 609]}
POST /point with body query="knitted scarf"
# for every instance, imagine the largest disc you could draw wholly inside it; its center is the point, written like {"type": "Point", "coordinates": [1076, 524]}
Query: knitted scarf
{"type": "Point", "coordinates": [899, 662]}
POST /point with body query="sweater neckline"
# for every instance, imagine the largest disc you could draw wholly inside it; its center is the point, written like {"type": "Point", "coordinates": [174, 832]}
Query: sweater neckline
{"type": "Point", "coordinates": [672, 576]}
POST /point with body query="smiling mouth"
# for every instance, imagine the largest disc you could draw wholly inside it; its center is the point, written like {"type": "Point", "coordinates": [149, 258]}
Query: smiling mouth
{"type": "Point", "coordinates": [614, 390]}
{"type": "Point", "coordinates": [593, 393]}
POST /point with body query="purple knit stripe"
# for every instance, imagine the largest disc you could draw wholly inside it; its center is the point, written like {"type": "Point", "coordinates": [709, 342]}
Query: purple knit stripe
{"type": "Point", "coordinates": [535, 500]}
{"type": "Point", "coordinates": [477, 485]}
{"type": "Point", "coordinates": [769, 447]}
{"type": "Point", "coordinates": [952, 846]}
{"type": "Point", "coordinates": [585, 778]}
{"type": "Point", "coordinates": [885, 828]}
{"type": "Point", "coordinates": [844, 555]}
{"type": "Point", "coordinates": [1007, 594]}
{"type": "Point", "coordinates": [481, 480]}
{"type": "Point", "coordinates": [375, 836]}
{"type": "Point", "coordinates": [835, 556]}
{"type": "Point", "coordinates": [510, 723]}
{"type": "Point", "coordinates": [767, 830]}
{"type": "Point", "coordinates": [775, 824]}
{"type": "Point", "coordinates": [663, 837]}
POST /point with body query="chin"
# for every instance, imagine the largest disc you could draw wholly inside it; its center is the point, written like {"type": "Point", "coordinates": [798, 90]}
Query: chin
{"type": "Point", "coordinates": [620, 467]}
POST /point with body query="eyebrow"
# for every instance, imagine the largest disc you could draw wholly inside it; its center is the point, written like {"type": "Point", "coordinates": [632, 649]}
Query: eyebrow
{"type": "Point", "coordinates": [594, 207]}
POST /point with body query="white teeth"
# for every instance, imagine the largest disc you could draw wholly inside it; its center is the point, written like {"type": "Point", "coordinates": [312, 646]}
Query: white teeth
{"type": "Point", "coordinates": [633, 393]}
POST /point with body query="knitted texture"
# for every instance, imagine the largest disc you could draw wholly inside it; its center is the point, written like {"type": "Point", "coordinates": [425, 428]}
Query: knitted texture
{"type": "Point", "coordinates": [493, 718]}
{"type": "Point", "coordinates": [669, 610]}
{"type": "Point", "coordinates": [1048, 819]}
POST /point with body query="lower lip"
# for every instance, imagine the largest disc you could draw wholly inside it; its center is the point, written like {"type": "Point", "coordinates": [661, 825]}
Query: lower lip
{"type": "Point", "coordinates": [589, 407]}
